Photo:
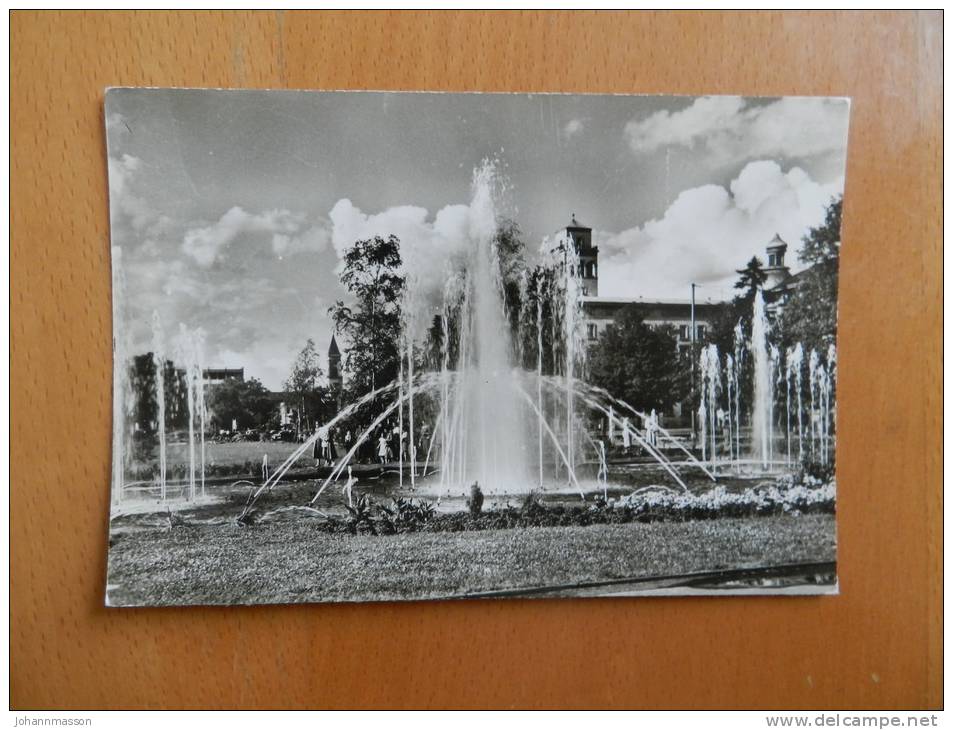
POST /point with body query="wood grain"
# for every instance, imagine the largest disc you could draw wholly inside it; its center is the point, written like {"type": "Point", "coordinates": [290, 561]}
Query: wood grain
{"type": "Point", "coordinates": [878, 645]}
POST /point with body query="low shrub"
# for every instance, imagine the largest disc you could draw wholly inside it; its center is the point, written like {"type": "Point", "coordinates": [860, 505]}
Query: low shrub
{"type": "Point", "coordinates": [788, 495]}
{"type": "Point", "coordinates": [404, 515]}
{"type": "Point", "coordinates": [475, 502]}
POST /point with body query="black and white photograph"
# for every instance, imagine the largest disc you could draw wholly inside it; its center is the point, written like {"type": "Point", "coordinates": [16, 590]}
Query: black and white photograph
{"type": "Point", "coordinates": [379, 346]}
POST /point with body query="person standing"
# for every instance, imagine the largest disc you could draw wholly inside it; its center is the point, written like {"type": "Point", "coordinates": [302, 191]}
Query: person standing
{"type": "Point", "coordinates": [332, 449]}
{"type": "Point", "coordinates": [382, 448]}
{"type": "Point", "coordinates": [316, 447]}
{"type": "Point", "coordinates": [325, 446]}
{"type": "Point", "coordinates": [653, 428]}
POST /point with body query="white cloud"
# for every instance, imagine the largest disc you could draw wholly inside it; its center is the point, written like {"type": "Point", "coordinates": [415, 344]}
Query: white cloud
{"type": "Point", "coordinates": [127, 208]}
{"type": "Point", "coordinates": [121, 169]}
{"type": "Point", "coordinates": [572, 128]}
{"type": "Point", "coordinates": [710, 231]}
{"type": "Point", "coordinates": [288, 233]}
{"type": "Point", "coordinates": [115, 122]}
{"type": "Point", "coordinates": [269, 354]}
{"type": "Point", "coordinates": [430, 249]}
{"type": "Point", "coordinates": [267, 361]}
{"type": "Point", "coordinates": [729, 129]}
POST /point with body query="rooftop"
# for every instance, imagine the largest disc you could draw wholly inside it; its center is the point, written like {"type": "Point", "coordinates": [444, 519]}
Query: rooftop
{"type": "Point", "coordinates": [640, 300]}
{"type": "Point", "coordinates": [573, 223]}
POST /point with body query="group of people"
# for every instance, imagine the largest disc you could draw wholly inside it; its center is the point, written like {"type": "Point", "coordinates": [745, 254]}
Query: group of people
{"type": "Point", "coordinates": [323, 451]}
{"type": "Point", "coordinates": [392, 443]}
{"type": "Point", "coordinates": [650, 427]}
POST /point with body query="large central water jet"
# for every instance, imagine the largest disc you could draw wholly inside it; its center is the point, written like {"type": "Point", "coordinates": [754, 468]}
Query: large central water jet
{"type": "Point", "coordinates": [485, 413]}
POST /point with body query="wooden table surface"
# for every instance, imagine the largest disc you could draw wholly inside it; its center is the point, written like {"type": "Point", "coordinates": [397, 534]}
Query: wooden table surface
{"type": "Point", "coordinates": [877, 645]}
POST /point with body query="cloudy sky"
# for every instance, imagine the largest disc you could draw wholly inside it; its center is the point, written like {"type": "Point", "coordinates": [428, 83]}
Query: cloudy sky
{"type": "Point", "coordinates": [230, 209]}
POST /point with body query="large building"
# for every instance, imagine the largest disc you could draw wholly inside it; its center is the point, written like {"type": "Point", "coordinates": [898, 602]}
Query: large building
{"type": "Point", "coordinates": [679, 314]}
{"type": "Point", "coordinates": [600, 312]}
{"type": "Point", "coordinates": [214, 376]}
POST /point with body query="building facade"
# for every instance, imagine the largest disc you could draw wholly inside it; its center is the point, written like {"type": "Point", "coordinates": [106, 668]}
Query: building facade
{"type": "Point", "coordinates": [214, 376]}
{"type": "Point", "coordinates": [680, 314]}
{"type": "Point", "coordinates": [600, 312]}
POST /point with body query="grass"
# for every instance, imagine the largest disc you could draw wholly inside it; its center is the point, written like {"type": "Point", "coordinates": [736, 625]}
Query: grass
{"type": "Point", "coordinates": [236, 453]}
{"type": "Point", "coordinates": [289, 562]}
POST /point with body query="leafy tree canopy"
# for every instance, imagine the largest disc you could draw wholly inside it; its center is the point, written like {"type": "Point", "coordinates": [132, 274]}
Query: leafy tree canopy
{"type": "Point", "coordinates": [245, 402]}
{"type": "Point", "coordinates": [750, 279]}
{"type": "Point", "coordinates": [638, 363]}
{"type": "Point", "coordinates": [371, 325]}
{"type": "Point", "coordinates": [306, 372]}
{"type": "Point", "coordinates": [822, 244]}
{"type": "Point", "coordinates": [810, 313]}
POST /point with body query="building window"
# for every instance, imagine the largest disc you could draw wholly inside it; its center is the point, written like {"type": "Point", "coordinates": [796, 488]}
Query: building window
{"type": "Point", "coordinates": [774, 260]}
{"type": "Point", "coordinates": [685, 332]}
{"type": "Point", "coordinates": [592, 331]}
{"type": "Point", "coordinates": [702, 331]}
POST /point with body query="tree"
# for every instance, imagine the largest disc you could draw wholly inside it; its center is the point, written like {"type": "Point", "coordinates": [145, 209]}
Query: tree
{"type": "Point", "coordinates": [822, 244]}
{"type": "Point", "coordinates": [750, 279]}
{"type": "Point", "coordinates": [540, 282]}
{"type": "Point", "coordinates": [510, 259]}
{"type": "Point", "coordinates": [142, 373]}
{"type": "Point", "coordinates": [372, 325]}
{"type": "Point", "coordinates": [305, 383]}
{"type": "Point", "coordinates": [246, 402]}
{"type": "Point", "coordinates": [638, 363]}
{"type": "Point", "coordinates": [810, 313]}
{"type": "Point", "coordinates": [721, 326]}
{"type": "Point", "coordinates": [510, 254]}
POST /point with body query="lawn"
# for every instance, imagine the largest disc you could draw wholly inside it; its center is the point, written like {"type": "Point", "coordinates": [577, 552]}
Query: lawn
{"type": "Point", "coordinates": [220, 454]}
{"type": "Point", "coordinates": [289, 562]}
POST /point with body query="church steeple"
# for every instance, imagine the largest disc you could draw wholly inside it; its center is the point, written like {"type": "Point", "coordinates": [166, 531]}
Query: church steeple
{"type": "Point", "coordinates": [334, 364]}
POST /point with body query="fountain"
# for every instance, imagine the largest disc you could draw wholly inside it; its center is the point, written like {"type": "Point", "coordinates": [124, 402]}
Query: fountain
{"type": "Point", "coordinates": [707, 410]}
{"type": "Point", "coordinates": [821, 391]}
{"type": "Point", "coordinates": [794, 364]}
{"type": "Point", "coordinates": [761, 417]}
{"type": "Point", "coordinates": [489, 449]}
{"type": "Point", "coordinates": [494, 422]}
{"type": "Point", "coordinates": [491, 411]}
{"type": "Point", "coordinates": [738, 363]}
{"type": "Point", "coordinates": [120, 394]}
{"type": "Point", "coordinates": [158, 359]}
{"type": "Point", "coordinates": [189, 347]}
{"type": "Point", "coordinates": [776, 377]}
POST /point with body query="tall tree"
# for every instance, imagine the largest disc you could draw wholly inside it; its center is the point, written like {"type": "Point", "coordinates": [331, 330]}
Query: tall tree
{"type": "Point", "coordinates": [750, 279]}
{"type": "Point", "coordinates": [810, 313]}
{"type": "Point", "coordinates": [638, 363]}
{"type": "Point", "coordinates": [540, 305]}
{"type": "Point", "coordinates": [246, 402]}
{"type": "Point", "coordinates": [822, 244]}
{"type": "Point", "coordinates": [304, 383]}
{"type": "Point", "coordinates": [510, 253]}
{"type": "Point", "coordinates": [371, 325]}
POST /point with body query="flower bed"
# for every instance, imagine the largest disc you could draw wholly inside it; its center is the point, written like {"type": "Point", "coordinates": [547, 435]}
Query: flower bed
{"type": "Point", "coordinates": [649, 504]}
